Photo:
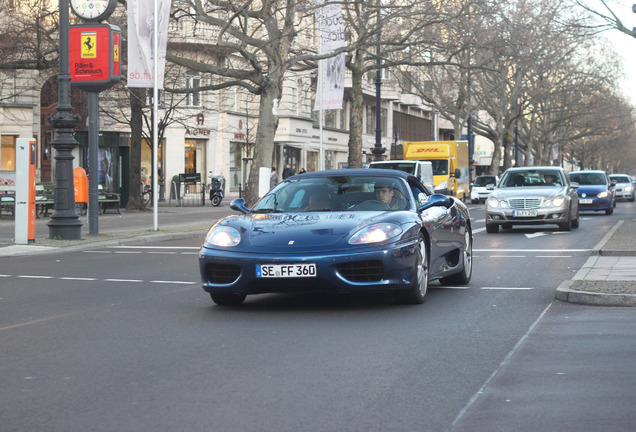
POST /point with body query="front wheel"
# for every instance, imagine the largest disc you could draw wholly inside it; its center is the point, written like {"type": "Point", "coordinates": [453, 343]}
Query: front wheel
{"type": "Point", "coordinates": [216, 200]}
{"type": "Point", "coordinates": [492, 228]}
{"type": "Point", "coordinates": [463, 277]}
{"type": "Point", "coordinates": [609, 211]}
{"type": "Point", "coordinates": [417, 292]}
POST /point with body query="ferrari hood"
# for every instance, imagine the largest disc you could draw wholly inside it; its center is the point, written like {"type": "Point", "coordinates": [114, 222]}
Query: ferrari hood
{"type": "Point", "coordinates": [288, 232]}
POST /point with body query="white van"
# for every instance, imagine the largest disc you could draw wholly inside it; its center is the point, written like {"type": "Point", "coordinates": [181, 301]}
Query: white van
{"type": "Point", "coordinates": [420, 169]}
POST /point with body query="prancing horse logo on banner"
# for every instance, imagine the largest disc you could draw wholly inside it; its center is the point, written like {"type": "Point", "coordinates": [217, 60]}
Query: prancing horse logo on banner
{"type": "Point", "coordinates": [89, 45]}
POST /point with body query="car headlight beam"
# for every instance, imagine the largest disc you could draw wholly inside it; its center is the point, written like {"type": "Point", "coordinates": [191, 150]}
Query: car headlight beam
{"type": "Point", "coordinates": [375, 233]}
{"type": "Point", "coordinates": [224, 236]}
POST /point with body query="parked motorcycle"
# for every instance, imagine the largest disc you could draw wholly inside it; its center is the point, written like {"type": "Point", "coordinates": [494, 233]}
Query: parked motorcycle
{"type": "Point", "coordinates": [217, 189]}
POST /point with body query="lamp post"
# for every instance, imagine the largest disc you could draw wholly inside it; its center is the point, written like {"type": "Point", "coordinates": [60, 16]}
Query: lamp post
{"type": "Point", "coordinates": [64, 222]}
{"type": "Point", "coordinates": [378, 150]}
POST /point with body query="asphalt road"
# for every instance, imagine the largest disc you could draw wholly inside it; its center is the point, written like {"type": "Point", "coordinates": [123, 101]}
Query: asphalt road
{"type": "Point", "coordinates": [124, 338]}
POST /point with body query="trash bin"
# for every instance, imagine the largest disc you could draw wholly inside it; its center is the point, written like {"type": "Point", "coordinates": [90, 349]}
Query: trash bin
{"type": "Point", "coordinates": [80, 180]}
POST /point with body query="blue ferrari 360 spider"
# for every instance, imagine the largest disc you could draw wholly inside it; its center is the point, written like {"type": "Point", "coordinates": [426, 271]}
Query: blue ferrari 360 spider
{"type": "Point", "coordinates": [346, 230]}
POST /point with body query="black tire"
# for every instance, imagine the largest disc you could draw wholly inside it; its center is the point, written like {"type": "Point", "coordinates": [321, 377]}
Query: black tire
{"type": "Point", "coordinates": [463, 277]}
{"type": "Point", "coordinates": [227, 299]}
{"type": "Point", "coordinates": [576, 221]}
{"type": "Point", "coordinates": [417, 292]}
{"type": "Point", "coordinates": [492, 228]}
{"type": "Point", "coordinates": [632, 198]}
{"type": "Point", "coordinates": [216, 200]}
{"type": "Point", "coordinates": [609, 211]}
{"type": "Point", "coordinates": [567, 226]}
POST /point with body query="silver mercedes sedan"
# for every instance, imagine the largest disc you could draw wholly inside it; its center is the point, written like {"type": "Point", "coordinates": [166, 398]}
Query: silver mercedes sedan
{"type": "Point", "coordinates": [533, 196]}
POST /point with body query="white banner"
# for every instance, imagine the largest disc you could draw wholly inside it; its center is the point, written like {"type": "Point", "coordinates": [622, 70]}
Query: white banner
{"type": "Point", "coordinates": [141, 44]}
{"type": "Point", "coordinates": [331, 72]}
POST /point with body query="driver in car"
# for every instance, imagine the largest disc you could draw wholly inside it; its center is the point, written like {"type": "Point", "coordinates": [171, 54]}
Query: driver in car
{"type": "Point", "coordinates": [388, 196]}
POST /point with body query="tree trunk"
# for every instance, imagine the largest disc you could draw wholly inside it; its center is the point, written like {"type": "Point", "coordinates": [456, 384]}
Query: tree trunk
{"type": "Point", "coordinates": [264, 147]}
{"type": "Point", "coordinates": [354, 160]}
{"type": "Point", "coordinates": [136, 126]}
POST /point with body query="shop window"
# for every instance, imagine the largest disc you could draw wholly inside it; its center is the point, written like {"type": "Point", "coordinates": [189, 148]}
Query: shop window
{"type": "Point", "coordinates": [7, 153]}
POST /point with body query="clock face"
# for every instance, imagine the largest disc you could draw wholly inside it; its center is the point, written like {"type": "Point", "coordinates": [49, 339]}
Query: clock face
{"type": "Point", "coordinates": [93, 10]}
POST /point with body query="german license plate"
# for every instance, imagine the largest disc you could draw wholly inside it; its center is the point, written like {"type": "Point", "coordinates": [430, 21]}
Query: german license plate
{"type": "Point", "coordinates": [586, 201]}
{"type": "Point", "coordinates": [524, 213]}
{"type": "Point", "coordinates": [285, 270]}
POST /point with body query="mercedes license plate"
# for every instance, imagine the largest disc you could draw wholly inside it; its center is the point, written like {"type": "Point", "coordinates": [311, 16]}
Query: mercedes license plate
{"type": "Point", "coordinates": [285, 270]}
{"type": "Point", "coordinates": [524, 213]}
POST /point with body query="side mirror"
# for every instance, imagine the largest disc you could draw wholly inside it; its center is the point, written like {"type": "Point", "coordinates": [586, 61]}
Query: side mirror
{"type": "Point", "coordinates": [574, 185]}
{"type": "Point", "coordinates": [239, 205]}
{"type": "Point", "coordinates": [457, 173]}
{"type": "Point", "coordinates": [436, 200]}
{"type": "Point", "coordinates": [613, 183]}
{"type": "Point", "coordinates": [490, 187]}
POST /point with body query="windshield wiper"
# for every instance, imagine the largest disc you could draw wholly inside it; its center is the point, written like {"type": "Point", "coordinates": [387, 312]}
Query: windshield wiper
{"type": "Point", "coordinates": [267, 210]}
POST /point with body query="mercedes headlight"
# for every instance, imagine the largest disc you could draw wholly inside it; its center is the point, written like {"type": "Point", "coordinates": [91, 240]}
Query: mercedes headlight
{"type": "Point", "coordinates": [223, 236]}
{"type": "Point", "coordinates": [493, 202]}
{"type": "Point", "coordinates": [375, 233]}
{"type": "Point", "coordinates": [557, 201]}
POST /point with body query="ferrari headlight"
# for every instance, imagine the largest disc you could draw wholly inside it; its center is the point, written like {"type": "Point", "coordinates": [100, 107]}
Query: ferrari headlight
{"type": "Point", "coordinates": [375, 233]}
{"type": "Point", "coordinates": [223, 236]}
{"type": "Point", "coordinates": [603, 194]}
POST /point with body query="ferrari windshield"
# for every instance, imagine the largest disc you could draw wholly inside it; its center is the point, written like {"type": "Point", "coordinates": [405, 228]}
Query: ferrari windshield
{"type": "Point", "coordinates": [338, 193]}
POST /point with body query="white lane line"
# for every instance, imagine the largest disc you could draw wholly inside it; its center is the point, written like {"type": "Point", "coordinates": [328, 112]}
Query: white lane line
{"type": "Point", "coordinates": [507, 256]}
{"type": "Point", "coordinates": [478, 230]}
{"type": "Point", "coordinates": [508, 288]}
{"type": "Point", "coordinates": [78, 278]}
{"type": "Point", "coordinates": [123, 280]}
{"type": "Point", "coordinates": [553, 256]}
{"type": "Point", "coordinates": [34, 277]}
{"type": "Point", "coordinates": [128, 252]}
{"type": "Point", "coordinates": [451, 287]}
{"type": "Point", "coordinates": [532, 250]}
{"type": "Point", "coordinates": [172, 282]}
{"type": "Point", "coordinates": [155, 247]}
{"type": "Point", "coordinates": [160, 253]}
{"type": "Point", "coordinates": [97, 251]}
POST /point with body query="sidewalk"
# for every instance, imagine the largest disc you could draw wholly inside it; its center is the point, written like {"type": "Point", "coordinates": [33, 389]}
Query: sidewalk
{"type": "Point", "coordinates": [126, 227]}
{"type": "Point", "coordinates": [608, 278]}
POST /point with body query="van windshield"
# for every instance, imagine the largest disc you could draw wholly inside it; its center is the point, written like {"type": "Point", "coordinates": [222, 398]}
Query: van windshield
{"type": "Point", "coordinates": [406, 167]}
{"type": "Point", "coordinates": [440, 167]}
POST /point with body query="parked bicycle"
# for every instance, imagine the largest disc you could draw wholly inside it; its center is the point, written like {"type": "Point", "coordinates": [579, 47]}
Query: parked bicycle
{"type": "Point", "coordinates": [146, 194]}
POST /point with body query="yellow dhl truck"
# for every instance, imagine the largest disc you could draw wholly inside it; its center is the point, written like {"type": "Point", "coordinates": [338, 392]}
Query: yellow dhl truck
{"type": "Point", "coordinates": [450, 162]}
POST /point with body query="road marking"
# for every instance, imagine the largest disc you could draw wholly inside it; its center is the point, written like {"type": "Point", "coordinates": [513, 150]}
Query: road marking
{"type": "Point", "coordinates": [172, 282]}
{"type": "Point", "coordinates": [553, 256]}
{"type": "Point", "coordinates": [155, 247]}
{"type": "Point", "coordinates": [532, 250]}
{"type": "Point", "coordinates": [123, 280]}
{"type": "Point", "coordinates": [127, 252]}
{"type": "Point", "coordinates": [508, 288]}
{"type": "Point", "coordinates": [507, 256]}
{"type": "Point", "coordinates": [97, 251]}
{"type": "Point", "coordinates": [34, 277]}
{"type": "Point", "coordinates": [78, 278]}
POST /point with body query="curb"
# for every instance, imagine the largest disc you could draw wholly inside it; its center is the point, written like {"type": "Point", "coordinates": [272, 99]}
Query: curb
{"type": "Point", "coordinates": [564, 293]}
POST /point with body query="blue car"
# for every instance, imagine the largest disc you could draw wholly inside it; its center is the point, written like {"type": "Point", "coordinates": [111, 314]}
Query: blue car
{"type": "Point", "coordinates": [340, 231]}
{"type": "Point", "coordinates": [596, 191]}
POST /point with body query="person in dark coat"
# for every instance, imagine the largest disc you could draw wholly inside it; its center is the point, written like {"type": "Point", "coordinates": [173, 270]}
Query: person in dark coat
{"type": "Point", "coordinates": [288, 171]}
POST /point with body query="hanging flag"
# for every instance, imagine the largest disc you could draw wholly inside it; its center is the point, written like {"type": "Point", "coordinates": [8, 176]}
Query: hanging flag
{"type": "Point", "coordinates": [331, 73]}
{"type": "Point", "coordinates": [141, 44]}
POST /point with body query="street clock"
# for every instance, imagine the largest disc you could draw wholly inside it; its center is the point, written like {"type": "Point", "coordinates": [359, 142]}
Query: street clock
{"type": "Point", "coordinates": [93, 10]}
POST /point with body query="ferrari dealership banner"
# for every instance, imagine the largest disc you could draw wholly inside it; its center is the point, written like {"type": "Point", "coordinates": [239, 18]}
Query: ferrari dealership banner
{"type": "Point", "coordinates": [331, 71]}
{"type": "Point", "coordinates": [141, 43]}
